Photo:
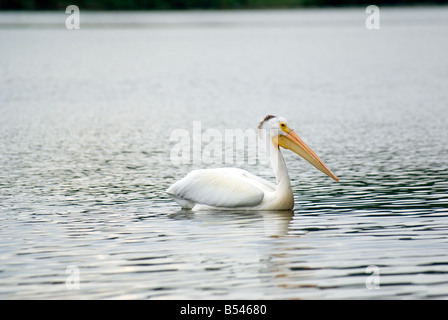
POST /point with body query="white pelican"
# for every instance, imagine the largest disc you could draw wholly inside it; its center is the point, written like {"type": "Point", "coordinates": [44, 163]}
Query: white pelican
{"type": "Point", "coordinates": [232, 188]}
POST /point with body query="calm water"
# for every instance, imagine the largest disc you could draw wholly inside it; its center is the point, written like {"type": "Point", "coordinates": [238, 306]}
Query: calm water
{"type": "Point", "coordinates": [86, 118]}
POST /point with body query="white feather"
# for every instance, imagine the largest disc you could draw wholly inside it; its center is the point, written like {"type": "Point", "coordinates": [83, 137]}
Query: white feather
{"type": "Point", "coordinates": [224, 187]}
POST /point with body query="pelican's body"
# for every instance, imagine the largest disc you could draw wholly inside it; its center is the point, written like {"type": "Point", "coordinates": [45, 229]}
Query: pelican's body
{"type": "Point", "coordinates": [232, 188]}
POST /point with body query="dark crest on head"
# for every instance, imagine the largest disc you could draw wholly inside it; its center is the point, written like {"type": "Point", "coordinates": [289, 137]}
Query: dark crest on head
{"type": "Point", "coordinates": [264, 120]}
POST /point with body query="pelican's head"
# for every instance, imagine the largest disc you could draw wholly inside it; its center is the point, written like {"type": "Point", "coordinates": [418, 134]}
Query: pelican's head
{"type": "Point", "coordinates": [282, 135]}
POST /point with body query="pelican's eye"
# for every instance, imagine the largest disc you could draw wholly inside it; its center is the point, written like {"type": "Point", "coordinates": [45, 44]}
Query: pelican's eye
{"type": "Point", "coordinates": [284, 127]}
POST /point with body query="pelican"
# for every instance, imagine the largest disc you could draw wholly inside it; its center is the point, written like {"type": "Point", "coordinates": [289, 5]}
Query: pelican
{"type": "Point", "coordinates": [233, 188]}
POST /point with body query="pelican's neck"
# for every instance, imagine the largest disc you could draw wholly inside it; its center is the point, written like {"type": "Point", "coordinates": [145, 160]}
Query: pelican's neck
{"type": "Point", "coordinates": [280, 170]}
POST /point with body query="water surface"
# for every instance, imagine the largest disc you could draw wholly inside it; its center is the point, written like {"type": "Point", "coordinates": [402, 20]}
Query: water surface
{"type": "Point", "coordinates": [86, 118]}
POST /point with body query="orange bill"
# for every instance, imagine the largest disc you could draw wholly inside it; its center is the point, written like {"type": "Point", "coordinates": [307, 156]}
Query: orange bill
{"type": "Point", "coordinates": [294, 143]}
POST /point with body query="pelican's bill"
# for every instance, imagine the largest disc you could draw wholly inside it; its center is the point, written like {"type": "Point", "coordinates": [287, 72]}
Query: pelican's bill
{"type": "Point", "coordinates": [294, 143]}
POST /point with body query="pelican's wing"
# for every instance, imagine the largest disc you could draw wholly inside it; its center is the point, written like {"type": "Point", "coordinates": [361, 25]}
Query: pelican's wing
{"type": "Point", "coordinates": [262, 183]}
{"type": "Point", "coordinates": [225, 187]}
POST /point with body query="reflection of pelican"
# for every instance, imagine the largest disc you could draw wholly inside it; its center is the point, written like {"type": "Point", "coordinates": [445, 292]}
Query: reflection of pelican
{"type": "Point", "coordinates": [273, 223]}
{"type": "Point", "coordinates": [231, 188]}
{"type": "Point", "coordinates": [277, 223]}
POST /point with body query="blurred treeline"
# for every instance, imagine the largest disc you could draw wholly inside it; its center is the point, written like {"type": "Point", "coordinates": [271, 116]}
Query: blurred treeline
{"type": "Point", "coordinates": [196, 4]}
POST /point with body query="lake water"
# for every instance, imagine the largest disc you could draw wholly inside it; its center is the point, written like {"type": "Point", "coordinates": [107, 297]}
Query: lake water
{"type": "Point", "coordinates": [85, 123]}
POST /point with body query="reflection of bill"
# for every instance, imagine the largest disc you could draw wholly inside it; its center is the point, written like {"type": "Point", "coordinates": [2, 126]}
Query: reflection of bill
{"type": "Point", "coordinates": [72, 21]}
{"type": "Point", "coordinates": [373, 20]}
{"type": "Point", "coordinates": [373, 281]}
